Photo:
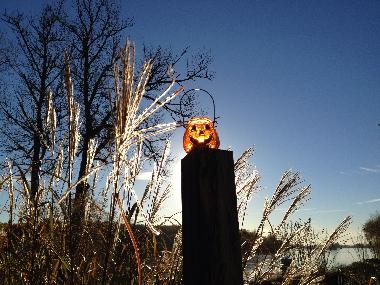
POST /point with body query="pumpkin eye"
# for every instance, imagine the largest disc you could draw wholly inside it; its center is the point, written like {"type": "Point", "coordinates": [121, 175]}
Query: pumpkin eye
{"type": "Point", "coordinates": [207, 127]}
{"type": "Point", "coordinates": [193, 128]}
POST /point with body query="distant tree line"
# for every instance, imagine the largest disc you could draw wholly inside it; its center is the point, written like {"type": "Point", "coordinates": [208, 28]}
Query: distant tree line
{"type": "Point", "coordinates": [372, 232]}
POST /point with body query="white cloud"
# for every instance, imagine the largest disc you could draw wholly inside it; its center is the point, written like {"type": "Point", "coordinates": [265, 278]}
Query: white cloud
{"type": "Point", "coordinates": [368, 201]}
{"type": "Point", "coordinates": [372, 170]}
{"type": "Point", "coordinates": [144, 176]}
{"type": "Point", "coordinates": [361, 170]}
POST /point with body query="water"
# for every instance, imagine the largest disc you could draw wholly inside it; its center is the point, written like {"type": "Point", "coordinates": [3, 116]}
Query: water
{"type": "Point", "coordinates": [337, 257]}
{"type": "Point", "coordinates": [346, 256]}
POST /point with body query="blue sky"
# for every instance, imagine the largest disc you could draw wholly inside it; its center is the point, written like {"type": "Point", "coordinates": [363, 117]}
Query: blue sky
{"type": "Point", "coordinates": [298, 79]}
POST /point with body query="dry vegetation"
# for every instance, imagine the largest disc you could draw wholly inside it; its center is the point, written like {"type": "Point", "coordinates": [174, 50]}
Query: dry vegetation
{"type": "Point", "coordinates": [42, 244]}
{"type": "Point", "coordinates": [297, 243]}
{"type": "Point", "coordinates": [120, 239]}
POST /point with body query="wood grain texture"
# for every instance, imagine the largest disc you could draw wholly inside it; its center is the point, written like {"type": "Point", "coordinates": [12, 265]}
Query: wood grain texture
{"type": "Point", "coordinates": [211, 242]}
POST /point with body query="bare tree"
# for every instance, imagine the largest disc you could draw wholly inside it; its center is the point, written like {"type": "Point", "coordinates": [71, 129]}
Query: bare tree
{"type": "Point", "coordinates": [28, 115]}
{"type": "Point", "coordinates": [92, 35]}
{"type": "Point", "coordinates": [95, 30]}
{"type": "Point", "coordinates": [35, 66]}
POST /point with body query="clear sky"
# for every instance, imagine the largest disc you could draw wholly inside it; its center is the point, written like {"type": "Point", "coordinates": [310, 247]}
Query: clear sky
{"type": "Point", "coordinates": [298, 79]}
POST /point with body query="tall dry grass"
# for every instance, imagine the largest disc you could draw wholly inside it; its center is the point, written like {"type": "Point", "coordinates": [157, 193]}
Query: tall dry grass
{"type": "Point", "coordinates": [39, 243]}
{"type": "Point", "coordinates": [120, 241]}
{"type": "Point", "coordinates": [299, 244]}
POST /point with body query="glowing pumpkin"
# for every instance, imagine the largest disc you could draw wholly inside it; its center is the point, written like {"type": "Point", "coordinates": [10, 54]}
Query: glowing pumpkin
{"type": "Point", "coordinates": [200, 133]}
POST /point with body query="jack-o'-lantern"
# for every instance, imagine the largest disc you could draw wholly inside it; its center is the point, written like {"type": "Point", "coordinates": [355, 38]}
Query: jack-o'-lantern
{"type": "Point", "coordinates": [200, 133]}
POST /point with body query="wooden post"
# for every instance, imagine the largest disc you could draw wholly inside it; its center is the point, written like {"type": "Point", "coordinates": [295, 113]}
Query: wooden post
{"type": "Point", "coordinates": [211, 241]}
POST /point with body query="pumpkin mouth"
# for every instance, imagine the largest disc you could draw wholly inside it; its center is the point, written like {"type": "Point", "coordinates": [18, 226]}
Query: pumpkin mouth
{"type": "Point", "coordinates": [201, 140]}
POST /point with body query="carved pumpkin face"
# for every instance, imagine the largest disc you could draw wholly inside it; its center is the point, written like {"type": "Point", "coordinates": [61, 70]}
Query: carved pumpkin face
{"type": "Point", "coordinates": [200, 133]}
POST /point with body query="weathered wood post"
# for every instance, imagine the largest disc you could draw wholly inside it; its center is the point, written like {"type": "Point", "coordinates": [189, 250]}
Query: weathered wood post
{"type": "Point", "coordinates": [211, 242]}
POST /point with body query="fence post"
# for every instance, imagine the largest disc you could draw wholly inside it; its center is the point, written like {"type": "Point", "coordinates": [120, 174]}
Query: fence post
{"type": "Point", "coordinates": [211, 241]}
